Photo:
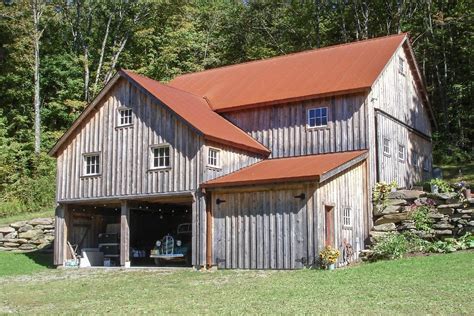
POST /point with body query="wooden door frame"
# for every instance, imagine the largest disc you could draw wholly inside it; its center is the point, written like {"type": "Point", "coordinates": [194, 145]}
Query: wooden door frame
{"type": "Point", "coordinates": [329, 225]}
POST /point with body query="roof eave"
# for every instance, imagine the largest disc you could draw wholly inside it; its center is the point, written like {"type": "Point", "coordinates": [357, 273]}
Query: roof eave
{"type": "Point", "coordinates": [295, 99]}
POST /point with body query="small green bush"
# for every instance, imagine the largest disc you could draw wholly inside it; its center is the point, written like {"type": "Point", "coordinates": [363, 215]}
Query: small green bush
{"type": "Point", "coordinates": [420, 216]}
{"type": "Point", "coordinates": [443, 186]}
{"type": "Point", "coordinates": [395, 246]}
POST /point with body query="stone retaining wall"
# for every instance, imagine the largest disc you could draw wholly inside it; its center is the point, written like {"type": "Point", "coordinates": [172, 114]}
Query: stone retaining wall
{"type": "Point", "coordinates": [29, 235]}
{"type": "Point", "coordinates": [452, 215]}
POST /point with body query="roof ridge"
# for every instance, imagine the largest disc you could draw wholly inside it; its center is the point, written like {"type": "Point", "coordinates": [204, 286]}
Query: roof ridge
{"type": "Point", "coordinates": [292, 54]}
{"type": "Point", "coordinates": [167, 85]}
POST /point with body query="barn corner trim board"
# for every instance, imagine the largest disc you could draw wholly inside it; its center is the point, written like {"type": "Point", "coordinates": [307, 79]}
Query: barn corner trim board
{"type": "Point", "coordinates": [282, 190]}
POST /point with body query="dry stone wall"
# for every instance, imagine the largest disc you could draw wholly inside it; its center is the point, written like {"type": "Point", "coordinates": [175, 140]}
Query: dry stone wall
{"type": "Point", "coordinates": [29, 235]}
{"type": "Point", "coordinates": [451, 214]}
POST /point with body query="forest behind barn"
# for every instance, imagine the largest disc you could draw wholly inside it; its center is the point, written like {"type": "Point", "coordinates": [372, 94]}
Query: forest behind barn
{"type": "Point", "coordinates": [55, 56]}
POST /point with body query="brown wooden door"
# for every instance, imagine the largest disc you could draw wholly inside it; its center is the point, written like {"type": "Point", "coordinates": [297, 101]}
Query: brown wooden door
{"type": "Point", "coordinates": [329, 225]}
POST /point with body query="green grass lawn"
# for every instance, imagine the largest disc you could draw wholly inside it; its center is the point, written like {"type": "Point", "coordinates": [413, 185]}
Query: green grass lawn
{"type": "Point", "coordinates": [451, 173]}
{"type": "Point", "coordinates": [25, 217]}
{"type": "Point", "coordinates": [24, 263]}
{"type": "Point", "coordinates": [437, 284]}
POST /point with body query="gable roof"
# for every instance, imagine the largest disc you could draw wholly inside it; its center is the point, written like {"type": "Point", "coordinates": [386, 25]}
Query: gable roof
{"type": "Point", "coordinates": [192, 109]}
{"type": "Point", "coordinates": [300, 168]}
{"type": "Point", "coordinates": [339, 69]}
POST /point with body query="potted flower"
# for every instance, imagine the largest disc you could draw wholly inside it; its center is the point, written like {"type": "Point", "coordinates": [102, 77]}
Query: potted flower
{"type": "Point", "coordinates": [329, 257]}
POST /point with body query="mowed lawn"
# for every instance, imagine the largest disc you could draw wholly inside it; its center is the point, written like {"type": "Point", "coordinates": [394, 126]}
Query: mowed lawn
{"type": "Point", "coordinates": [438, 284]}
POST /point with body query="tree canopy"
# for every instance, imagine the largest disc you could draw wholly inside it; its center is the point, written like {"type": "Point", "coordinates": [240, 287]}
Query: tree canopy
{"type": "Point", "coordinates": [81, 43]}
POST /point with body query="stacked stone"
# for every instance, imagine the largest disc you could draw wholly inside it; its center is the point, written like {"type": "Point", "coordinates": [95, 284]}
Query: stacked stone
{"type": "Point", "coordinates": [452, 217]}
{"type": "Point", "coordinates": [30, 235]}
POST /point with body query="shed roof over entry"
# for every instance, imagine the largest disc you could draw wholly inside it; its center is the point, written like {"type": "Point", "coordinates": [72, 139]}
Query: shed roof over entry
{"type": "Point", "coordinates": [311, 167]}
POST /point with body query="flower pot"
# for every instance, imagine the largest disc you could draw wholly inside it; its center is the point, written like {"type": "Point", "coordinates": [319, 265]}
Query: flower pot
{"type": "Point", "coordinates": [331, 266]}
{"type": "Point", "coordinates": [434, 188]}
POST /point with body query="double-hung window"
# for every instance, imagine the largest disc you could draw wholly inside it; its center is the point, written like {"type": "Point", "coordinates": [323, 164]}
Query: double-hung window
{"type": "Point", "coordinates": [213, 158]}
{"type": "Point", "coordinates": [347, 217]}
{"type": "Point", "coordinates": [318, 117]}
{"type": "Point", "coordinates": [386, 146]}
{"type": "Point", "coordinates": [91, 164]}
{"type": "Point", "coordinates": [160, 158]}
{"type": "Point", "coordinates": [125, 117]}
{"type": "Point", "coordinates": [401, 152]}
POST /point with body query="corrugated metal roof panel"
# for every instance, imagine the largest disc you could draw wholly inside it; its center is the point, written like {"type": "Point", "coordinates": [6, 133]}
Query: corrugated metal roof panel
{"type": "Point", "coordinates": [330, 70]}
{"type": "Point", "coordinates": [311, 167]}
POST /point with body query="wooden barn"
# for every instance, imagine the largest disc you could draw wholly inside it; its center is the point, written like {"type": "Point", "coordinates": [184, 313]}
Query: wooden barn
{"type": "Point", "coordinates": [254, 166]}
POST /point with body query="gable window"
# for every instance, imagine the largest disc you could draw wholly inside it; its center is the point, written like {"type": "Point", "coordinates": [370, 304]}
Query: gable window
{"type": "Point", "coordinates": [213, 158]}
{"type": "Point", "coordinates": [160, 157]}
{"type": "Point", "coordinates": [347, 217]}
{"type": "Point", "coordinates": [401, 65]}
{"type": "Point", "coordinates": [401, 152]}
{"type": "Point", "coordinates": [125, 117]}
{"type": "Point", "coordinates": [91, 164]}
{"type": "Point", "coordinates": [318, 117]}
{"type": "Point", "coordinates": [414, 159]}
{"type": "Point", "coordinates": [386, 146]}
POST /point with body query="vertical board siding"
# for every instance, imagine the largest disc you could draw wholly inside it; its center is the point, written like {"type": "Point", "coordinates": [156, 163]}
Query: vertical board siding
{"type": "Point", "coordinates": [231, 160]}
{"type": "Point", "coordinates": [269, 228]}
{"type": "Point", "coordinates": [125, 151]}
{"type": "Point", "coordinates": [282, 128]}
{"type": "Point", "coordinates": [397, 95]}
{"type": "Point", "coordinates": [404, 172]}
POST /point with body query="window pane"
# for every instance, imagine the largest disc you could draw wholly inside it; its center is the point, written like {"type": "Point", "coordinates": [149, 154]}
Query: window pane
{"type": "Point", "coordinates": [325, 121]}
{"type": "Point", "coordinates": [318, 121]}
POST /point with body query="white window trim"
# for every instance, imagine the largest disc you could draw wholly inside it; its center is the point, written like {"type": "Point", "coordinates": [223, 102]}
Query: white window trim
{"type": "Point", "coordinates": [349, 217]}
{"type": "Point", "coordinates": [386, 153]}
{"type": "Point", "coordinates": [119, 117]}
{"type": "Point", "coordinates": [401, 65]}
{"type": "Point", "coordinates": [308, 126]}
{"type": "Point", "coordinates": [84, 164]}
{"type": "Point", "coordinates": [218, 158]}
{"type": "Point", "coordinates": [152, 156]}
{"type": "Point", "coordinates": [404, 153]}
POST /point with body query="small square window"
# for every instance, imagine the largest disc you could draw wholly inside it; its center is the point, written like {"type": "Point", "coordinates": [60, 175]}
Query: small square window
{"type": "Point", "coordinates": [318, 117]}
{"type": "Point", "coordinates": [401, 65]}
{"type": "Point", "coordinates": [347, 217]}
{"type": "Point", "coordinates": [125, 117]}
{"type": "Point", "coordinates": [160, 157]}
{"type": "Point", "coordinates": [386, 146]}
{"type": "Point", "coordinates": [401, 152]}
{"type": "Point", "coordinates": [414, 159]}
{"type": "Point", "coordinates": [91, 164]}
{"type": "Point", "coordinates": [213, 157]}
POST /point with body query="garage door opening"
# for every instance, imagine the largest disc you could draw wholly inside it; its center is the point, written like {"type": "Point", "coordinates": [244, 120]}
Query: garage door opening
{"type": "Point", "coordinates": [160, 235]}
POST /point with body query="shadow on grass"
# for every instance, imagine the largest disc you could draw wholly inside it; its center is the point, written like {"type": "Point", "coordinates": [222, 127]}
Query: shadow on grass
{"type": "Point", "coordinates": [41, 257]}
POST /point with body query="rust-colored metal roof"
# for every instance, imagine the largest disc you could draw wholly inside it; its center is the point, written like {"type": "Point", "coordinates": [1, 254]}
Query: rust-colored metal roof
{"type": "Point", "coordinates": [301, 168]}
{"type": "Point", "coordinates": [196, 111]}
{"type": "Point", "coordinates": [345, 68]}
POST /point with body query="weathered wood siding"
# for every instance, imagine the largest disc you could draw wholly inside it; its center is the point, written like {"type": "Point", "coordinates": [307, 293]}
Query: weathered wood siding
{"type": "Point", "coordinates": [396, 94]}
{"type": "Point", "coordinates": [125, 151]}
{"type": "Point", "coordinates": [231, 160]}
{"type": "Point", "coordinates": [282, 128]}
{"type": "Point", "coordinates": [268, 228]}
{"type": "Point", "coordinates": [405, 172]}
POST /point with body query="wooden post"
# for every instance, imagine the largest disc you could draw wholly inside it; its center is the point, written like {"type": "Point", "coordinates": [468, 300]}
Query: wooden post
{"type": "Point", "coordinates": [59, 240]}
{"type": "Point", "coordinates": [208, 231]}
{"type": "Point", "coordinates": [125, 235]}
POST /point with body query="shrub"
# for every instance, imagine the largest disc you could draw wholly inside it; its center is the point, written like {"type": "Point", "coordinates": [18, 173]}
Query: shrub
{"type": "Point", "coordinates": [419, 215]}
{"type": "Point", "coordinates": [395, 246]}
{"type": "Point", "coordinates": [443, 186]}
{"type": "Point", "coordinates": [381, 190]}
